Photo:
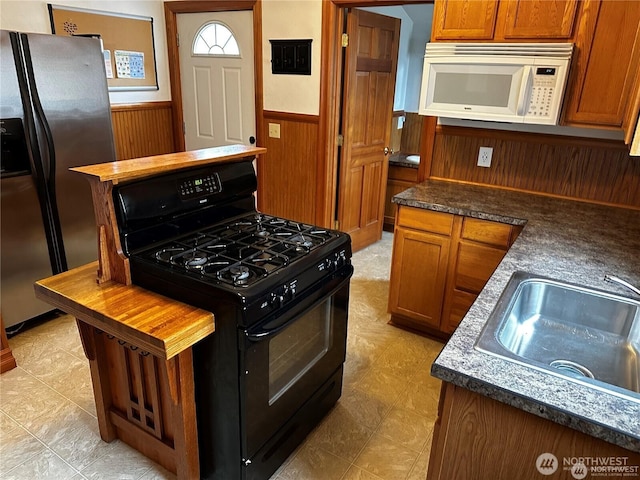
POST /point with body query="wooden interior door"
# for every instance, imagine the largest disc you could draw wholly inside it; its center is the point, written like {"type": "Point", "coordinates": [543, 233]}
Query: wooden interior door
{"type": "Point", "coordinates": [369, 85]}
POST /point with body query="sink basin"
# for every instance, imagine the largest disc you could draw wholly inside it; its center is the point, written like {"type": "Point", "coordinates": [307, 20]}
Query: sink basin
{"type": "Point", "coordinates": [585, 335]}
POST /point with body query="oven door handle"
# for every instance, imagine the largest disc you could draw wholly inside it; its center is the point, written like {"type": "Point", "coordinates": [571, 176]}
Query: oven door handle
{"type": "Point", "coordinates": [264, 334]}
{"type": "Point", "coordinates": [271, 329]}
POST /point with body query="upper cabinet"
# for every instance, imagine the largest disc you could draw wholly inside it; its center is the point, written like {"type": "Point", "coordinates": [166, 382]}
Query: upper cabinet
{"type": "Point", "coordinates": [546, 19]}
{"type": "Point", "coordinates": [504, 20]}
{"type": "Point", "coordinates": [603, 85]}
{"type": "Point", "coordinates": [464, 19]}
{"type": "Point", "coordinates": [603, 89]}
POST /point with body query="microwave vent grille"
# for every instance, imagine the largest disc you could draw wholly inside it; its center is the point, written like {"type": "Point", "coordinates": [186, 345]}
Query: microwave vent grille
{"type": "Point", "coordinates": [443, 49]}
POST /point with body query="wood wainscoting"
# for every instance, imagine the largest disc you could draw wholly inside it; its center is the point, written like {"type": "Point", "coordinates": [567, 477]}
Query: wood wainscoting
{"type": "Point", "coordinates": [142, 129]}
{"type": "Point", "coordinates": [594, 170]}
{"type": "Point", "coordinates": [287, 173]}
{"type": "Point", "coordinates": [411, 134]}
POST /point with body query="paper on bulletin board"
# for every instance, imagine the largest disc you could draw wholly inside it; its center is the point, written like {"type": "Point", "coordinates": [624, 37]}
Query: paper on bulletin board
{"type": "Point", "coordinates": [129, 64]}
{"type": "Point", "coordinates": [107, 63]}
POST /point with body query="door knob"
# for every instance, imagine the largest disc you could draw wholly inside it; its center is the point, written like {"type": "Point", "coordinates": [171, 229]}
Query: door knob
{"type": "Point", "coordinates": [387, 150]}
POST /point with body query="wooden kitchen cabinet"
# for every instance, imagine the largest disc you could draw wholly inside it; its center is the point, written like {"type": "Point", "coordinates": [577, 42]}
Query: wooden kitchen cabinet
{"type": "Point", "coordinates": [527, 19]}
{"type": "Point", "coordinates": [478, 437]}
{"type": "Point", "coordinates": [418, 278]}
{"type": "Point", "coordinates": [603, 89]}
{"type": "Point", "coordinates": [504, 20]}
{"type": "Point", "coordinates": [464, 20]}
{"type": "Point", "coordinates": [440, 264]}
{"type": "Point", "coordinates": [399, 179]}
{"type": "Point", "coordinates": [605, 69]}
{"type": "Point", "coordinates": [480, 248]}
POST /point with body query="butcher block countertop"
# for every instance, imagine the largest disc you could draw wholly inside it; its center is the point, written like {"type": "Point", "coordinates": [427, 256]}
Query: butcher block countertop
{"type": "Point", "coordinates": [146, 166]}
{"type": "Point", "coordinates": [101, 293]}
{"type": "Point", "coordinates": [147, 320]}
{"type": "Point", "coordinates": [567, 240]}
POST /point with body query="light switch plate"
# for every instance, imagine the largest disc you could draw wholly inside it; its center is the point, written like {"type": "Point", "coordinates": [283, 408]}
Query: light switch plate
{"type": "Point", "coordinates": [274, 130]}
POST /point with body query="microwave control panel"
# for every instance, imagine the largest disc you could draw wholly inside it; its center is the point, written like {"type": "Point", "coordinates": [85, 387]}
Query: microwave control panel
{"type": "Point", "coordinates": [542, 91]}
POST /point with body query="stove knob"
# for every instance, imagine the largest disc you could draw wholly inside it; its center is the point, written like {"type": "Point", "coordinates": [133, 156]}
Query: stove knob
{"type": "Point", "coordinates": [276, 300]}
{"type": "Point", "coordinates": [289, 292]}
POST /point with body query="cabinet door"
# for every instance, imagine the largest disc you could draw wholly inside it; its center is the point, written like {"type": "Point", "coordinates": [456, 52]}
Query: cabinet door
{"type": "Point", "coordinates": [539, 19]}
{"type": "Point", "coordinates": [456, 307]}
{"type": "Point", "coordinates": [418, 275]}
{"type": "Point", "coordinates": [605, 64]}
{"type": "Point", "coordinates": [464, 19]}
{"type": "Point", "coordinates": [475, 264]}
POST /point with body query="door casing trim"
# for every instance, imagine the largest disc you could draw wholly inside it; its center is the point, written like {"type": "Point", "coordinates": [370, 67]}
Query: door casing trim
{"type": "Point", "coordinates": [330, 80]}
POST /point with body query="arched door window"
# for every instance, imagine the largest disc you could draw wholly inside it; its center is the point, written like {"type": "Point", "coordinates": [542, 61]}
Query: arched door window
{"type": "Point", "coordinates": [217, 40]}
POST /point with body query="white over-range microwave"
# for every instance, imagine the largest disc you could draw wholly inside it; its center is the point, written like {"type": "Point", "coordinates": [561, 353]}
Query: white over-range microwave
{"type": "Point", "coordinates": [501, 82]}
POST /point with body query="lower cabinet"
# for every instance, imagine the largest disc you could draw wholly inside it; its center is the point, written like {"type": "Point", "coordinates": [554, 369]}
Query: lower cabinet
{"type": "Point", "coordinates": [476, 437]}
{"type": "Point", "coordinates": [440, 264]}
{"type": "Point", "coordinates": [399, 179]}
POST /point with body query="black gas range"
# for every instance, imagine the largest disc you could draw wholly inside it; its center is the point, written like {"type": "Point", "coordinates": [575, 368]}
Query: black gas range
{"type": "Point", "coordinates": [279, 292]}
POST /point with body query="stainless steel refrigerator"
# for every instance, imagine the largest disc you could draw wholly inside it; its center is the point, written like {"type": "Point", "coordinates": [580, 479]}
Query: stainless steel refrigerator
{"type": "Point", "coordinates": [54, 114]}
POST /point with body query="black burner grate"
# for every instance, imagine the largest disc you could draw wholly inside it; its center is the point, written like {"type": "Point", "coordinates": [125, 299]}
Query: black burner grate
{"type": "Point", "coordinates": [242, 251]}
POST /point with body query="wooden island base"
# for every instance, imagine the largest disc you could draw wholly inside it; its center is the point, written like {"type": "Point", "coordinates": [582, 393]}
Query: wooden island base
{"type": "Point", "coordinates": [139, 346]}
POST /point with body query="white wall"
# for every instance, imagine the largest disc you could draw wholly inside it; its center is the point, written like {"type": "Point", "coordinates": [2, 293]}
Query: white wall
{"type": "Point", "coordinates": [33, 16]}
{"type": "Point", "coordinates": [422, 16]}
{"type": "Point", "coordinates": [287, 19]}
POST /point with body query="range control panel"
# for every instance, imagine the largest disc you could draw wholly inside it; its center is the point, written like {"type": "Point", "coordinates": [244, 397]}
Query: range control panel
{"type": "Point", "coordinates": [195, 187]}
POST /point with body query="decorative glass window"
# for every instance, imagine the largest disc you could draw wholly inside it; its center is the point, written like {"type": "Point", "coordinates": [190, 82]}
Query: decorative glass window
{"type": "Point", "coordinates": [216, 39]}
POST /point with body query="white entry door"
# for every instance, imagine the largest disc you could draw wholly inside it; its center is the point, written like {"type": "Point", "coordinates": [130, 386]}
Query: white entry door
{"type": "Point", "coordinates": [217, 77]}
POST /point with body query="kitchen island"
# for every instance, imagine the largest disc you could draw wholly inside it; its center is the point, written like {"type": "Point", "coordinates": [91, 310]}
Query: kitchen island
{"type": "Point", "coordinates": [566, 240]}
{"type": "Point", "coordinates": [139, 347]}
{"type": "Point", "coordinates": [139, 343]}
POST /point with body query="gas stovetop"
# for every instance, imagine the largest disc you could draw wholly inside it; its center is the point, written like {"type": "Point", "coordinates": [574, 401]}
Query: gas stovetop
{"type": "Point", "coordinates": [196, 236]}
{"type": "Point", "coordinates": [241, 251]}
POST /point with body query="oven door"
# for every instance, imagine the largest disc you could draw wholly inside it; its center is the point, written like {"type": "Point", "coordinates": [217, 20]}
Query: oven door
{"type": "Point", "coordinates": [289, 356]}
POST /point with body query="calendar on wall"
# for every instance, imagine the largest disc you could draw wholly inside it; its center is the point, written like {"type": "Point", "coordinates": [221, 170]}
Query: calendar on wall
{"type": "Point", "coordinates": [127, 41]}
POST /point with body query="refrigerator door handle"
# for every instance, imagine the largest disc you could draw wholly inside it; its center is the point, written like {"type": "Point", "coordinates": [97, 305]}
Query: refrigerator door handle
{"type": "Point", "coordinates": [29, 122]}
{"type": "Point", "coordinates": [45, 178]}
{"type": "Point", "coordinates": [50, 166]}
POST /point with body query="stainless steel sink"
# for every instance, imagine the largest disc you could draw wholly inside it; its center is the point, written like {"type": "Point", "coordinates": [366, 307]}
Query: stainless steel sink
{"type": "Point", "coordinates": [586, 335]}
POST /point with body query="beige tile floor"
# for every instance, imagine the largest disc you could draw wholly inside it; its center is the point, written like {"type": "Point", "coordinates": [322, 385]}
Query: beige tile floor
{"type": "Point", "coordinates": [380, 428]}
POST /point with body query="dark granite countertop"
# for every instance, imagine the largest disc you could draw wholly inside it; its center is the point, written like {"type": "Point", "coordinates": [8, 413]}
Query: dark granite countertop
{"type": "Point", "coordinates": [572, 241]}
{"type": "Point", "coordinates": [400, 160]}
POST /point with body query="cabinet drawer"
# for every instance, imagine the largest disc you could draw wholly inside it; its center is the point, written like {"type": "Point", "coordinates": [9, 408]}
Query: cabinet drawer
{"type": "Point", "coordinates": [435, 222]}
{"type": "Point", "coordinates": [475, 264]}
{"type": "Point", "coordinates": [484, 231]}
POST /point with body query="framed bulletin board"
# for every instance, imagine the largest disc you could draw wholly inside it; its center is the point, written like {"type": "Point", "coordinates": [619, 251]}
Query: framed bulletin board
{"type": "Point", "coordinates": [127, 40]}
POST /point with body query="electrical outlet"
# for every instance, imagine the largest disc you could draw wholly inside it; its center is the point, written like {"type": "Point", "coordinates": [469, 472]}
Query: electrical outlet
{"type": "Point", "coordinates": [484, 156]}
{"type": "Point", "coordinates": [274, 130]}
